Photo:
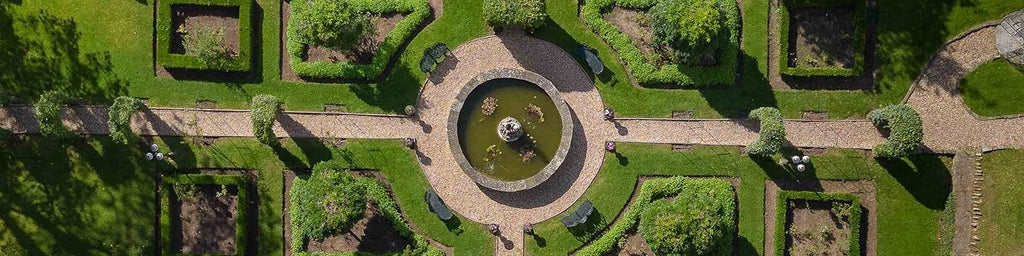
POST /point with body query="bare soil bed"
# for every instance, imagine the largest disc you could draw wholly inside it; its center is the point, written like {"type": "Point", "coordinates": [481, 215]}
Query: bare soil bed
{"type": "Point", "coordinates": [205, 223]}
{"type": "Point", "coordinates": [809, 216]}
{"type": "Point", "coordinates": [636, 24]}
{"type": "Point", "coordinates": [363, 53]}
{"type": "Point", "coordinates": [189, 18]}
{"type": "Point", "coordinates": [373, 233]}
{"type": "Point", "coordinates": [821, 37]}
{"type": "Point", "coordinates": [814, 229]}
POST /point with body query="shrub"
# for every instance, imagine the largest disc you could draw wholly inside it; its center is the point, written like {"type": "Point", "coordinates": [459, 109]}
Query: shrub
{"type": "Point", "coordinates": [528, 14]}
{"type": "Point", "coordinates": [693, 28]}
{"type": "Point", "coordinates": [419, 11]}
{"type": "Point", "coordinates": [646, 72]}
{"type": "Point", "coordinates": [329, 23]}
{"type": "Point", "coordinates": [207, 44]}
{"type": "Point", "coordinates": [781, 210]}
{"type": "Point", "coordinates": [649, 190]}
{"type": "Point", "coordinates": [240, 61]}
{"type": "Point", "coordinates": [904, 124]}
{"type": "Point", "coordinates": [120, 118]}
{"type": "Point", "coordinates": [773, 132]}
{"type": "Point", "coordinates": [264, 112]}
{"type": "Point", "coordinates": [326, 203]}
{"type": "Point", "coordinates": [699, 221]}
{"type": "Point", "coordinates": [51, 121]}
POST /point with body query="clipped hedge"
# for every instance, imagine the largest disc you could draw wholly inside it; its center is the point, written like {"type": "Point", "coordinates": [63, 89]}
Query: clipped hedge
{"type": "Point", "coordinates": [649, 191]}
{"type": "Point", "coordinates": [699, 221]}
{"type": "Point", "coordinates": [773, 132]}
{"type": "Point", "coordinates": [860, 38]}
{"type": "Point", "coordinates": [264, 112]}
{"type": "Point", "coordinates": [724, 73]}
{"type": "Point", "coordinates": [782, 208]}
{"type": "Point", "coordinates": [418, 11]}
{"type": "Point", "coordinates": [120, 119]}
{"type": "Point", "coordinates": [378, 195]}
{"type": "Point", "coordinates": [528, 14]}
{"type": "Point", "coordinates": [241, 217]}
{"type": "Point", "coordinates": [164, 30]}
{"type": "Point", "coordinates": [51, 121]}
{"type": "Point", "coordinates": [905, 135]}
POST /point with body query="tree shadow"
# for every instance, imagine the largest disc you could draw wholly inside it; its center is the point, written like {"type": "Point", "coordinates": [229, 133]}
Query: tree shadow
{"type": "Point", "coordinates": [42, 53]}
{"type": "Point", "coordinates": [753, 92]}
{"type": "Point", "coordinates": [926, 177]}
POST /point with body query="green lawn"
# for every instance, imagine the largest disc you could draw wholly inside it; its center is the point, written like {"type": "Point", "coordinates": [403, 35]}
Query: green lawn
{"type": "Point", "coordinates": [98, 198]}
{"type": "Point", "coordinates": [911, 193]}
{"type": "Point", "coordinates": [994, 89]}
{"type": "Point", "coordinates": [1001, 228]}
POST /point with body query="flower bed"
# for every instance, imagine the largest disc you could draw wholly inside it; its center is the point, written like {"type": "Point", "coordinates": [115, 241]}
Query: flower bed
{"type": "Point", "coordinates": [164, 56]}
{"type": "Point", "coordinates": [783, 209]}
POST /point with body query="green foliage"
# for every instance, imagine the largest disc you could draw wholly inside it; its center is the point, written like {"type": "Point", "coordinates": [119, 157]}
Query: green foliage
{"type": "Point", "coordinates": [782, 204]}
{"type": "Point", "coordinates": [699, 221]}
{"type": "Point", "coordinates": [329, 23]}
{"type": "Point", "coordinates": [209, 58]}
{"type": "Point", "coordinates": [650, 190]}
{"type": "Point", "coordinates": [418, 11]}
{"type": "Point", "coordinates": [51, 121]}
{"type": "Point", "coordinates": [528, 14]}
{"type": "Point", "coordinates": [189, 185]}
{"type": "Point", "coordinates": [264, 112]}
{"type": "Point", "coordinates": [208, 45]}
{"type": "Point", "coordinates": [773, 132]}
{"type": "Point", "coordinates": [326, 203]}
{"type": "Point", "coordinates": [646, 72]}
{"type": "Point", "coordinates": [994, 89]}
{"type": "Point", "coordinates": [904, 124]}
{"type": "Point", "coordinates": [860, 37]}
{"type": "Point", "coordinates": [120, 118]}
{"type": "Point", "coordinates": [693, 28]}
{"type": "Point", "coordinates": [5, 135]}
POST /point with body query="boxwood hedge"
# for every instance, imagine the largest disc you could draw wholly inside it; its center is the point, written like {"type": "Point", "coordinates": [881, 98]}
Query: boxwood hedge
{"type": "Point", "coordinates": [860, 37]}
{"type": "Point", "coordinates": [164, 30]}
{"type": "Point", "coordinates": [418, 11]}
{"type": "Point", "coordinates": [905, 135]}
{"type": "Point", "coordinates": [649, 191]}
{"type": "Point", "coordinates": [782, 205]}
{"type": "Point", "coordinates": [241, 217]}
{"type": "Point", "coordinates": [724, 73]}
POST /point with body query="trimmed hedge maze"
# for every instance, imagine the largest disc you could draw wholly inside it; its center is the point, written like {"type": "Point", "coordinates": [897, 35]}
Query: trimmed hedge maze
{"type": "Point", "coordinates": [419, 11]}
{"type": "Point", "coordinates": [860, 23]}
{"type": "Point", "coordinates": [241, 213]}
{"type": "Point", "coordinates": [164, 30]}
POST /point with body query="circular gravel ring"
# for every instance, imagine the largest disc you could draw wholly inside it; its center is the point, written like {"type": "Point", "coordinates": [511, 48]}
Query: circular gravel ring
{"type": "Point", "coordinates": [543, 174]}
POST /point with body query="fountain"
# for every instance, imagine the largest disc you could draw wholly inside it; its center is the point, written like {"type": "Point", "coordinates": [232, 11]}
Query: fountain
{"type": "Point", "coordinates": [533, 127]}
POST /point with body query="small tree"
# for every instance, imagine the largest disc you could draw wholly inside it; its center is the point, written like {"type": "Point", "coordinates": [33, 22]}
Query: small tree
{"type": "Point", "coordinates": [326, 203]}
{"type": "Point", "coordinates": [699, 221]}
{"type": "Point", "coordinates": [335, 24]}
{"type": "Point", "coordinates": [120, 114]}
{"type": "Point", "coordinates": [904, 124]}
{"type": "Point", "coordinates": [208, 45]}
{"type": "Point", "coordinates": [51, 121]}
{"type": "Point", "coordinates": [773, 132]}
{"type": "Point", "coordinates": [264, 112]}
{"type": "Point", "coordinates": [528, 14]}
{"type": "Point", "coordinates": [692, 28]}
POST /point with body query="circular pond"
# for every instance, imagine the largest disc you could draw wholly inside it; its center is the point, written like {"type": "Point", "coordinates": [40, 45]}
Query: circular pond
{"type": "Point", "coordinates": [511, 129]}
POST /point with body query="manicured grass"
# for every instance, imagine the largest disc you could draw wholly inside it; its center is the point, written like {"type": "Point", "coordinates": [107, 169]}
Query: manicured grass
{"type": "Point", "coordinates": [994, 89]}
{"type": "Point", "coordinates": [911, 193]}
{"type": "Point", "coordinates": [93, 198]}
{"type": "Point", "coordinates": [1001, 228]}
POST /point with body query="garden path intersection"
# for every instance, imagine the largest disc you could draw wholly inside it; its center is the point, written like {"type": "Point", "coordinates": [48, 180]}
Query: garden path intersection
{"type": "Point", "coordinates": [948, 125]}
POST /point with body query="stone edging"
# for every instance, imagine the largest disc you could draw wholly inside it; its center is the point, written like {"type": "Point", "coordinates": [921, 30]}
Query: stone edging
{"type": "Point", "coordinates": [536, 179]}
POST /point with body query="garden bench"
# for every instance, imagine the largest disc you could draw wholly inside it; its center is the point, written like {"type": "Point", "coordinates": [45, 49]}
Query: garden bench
{"type": "Point", "coordinates": [437, 206]}
{"type": "Point", "coordinates": [590, 55]}
{"type": "Point", "coordinates": [579, 216]}
{"type": "Point", "coordinates": [432, 56]}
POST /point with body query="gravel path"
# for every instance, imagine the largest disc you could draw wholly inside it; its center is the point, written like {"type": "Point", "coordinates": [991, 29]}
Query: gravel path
{"type": "Point", "coordinates": [740, 132]}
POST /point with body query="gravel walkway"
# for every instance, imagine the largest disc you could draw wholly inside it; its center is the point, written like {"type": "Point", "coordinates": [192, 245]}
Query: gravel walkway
{"type": "Point", "coordinates": [740, 132]}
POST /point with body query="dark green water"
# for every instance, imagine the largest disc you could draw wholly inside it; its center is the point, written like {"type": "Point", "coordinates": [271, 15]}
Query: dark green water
{"type": "Point", "coordinates": [477, 131]}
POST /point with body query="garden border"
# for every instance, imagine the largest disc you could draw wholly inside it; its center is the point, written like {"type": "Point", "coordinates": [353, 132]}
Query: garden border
{"type": "Point", "coordinates": [860, 23]}
{"type": "Point", "coordinates": [241, 219]}
{"type": "Point", "coordinates": [645, 73]}
{"type": "Point", "coordinates": [168, 60]}
{"type": "Point", "coordinates": [419, 11]}
{"type": "Point", "coordinates": [782, 207]}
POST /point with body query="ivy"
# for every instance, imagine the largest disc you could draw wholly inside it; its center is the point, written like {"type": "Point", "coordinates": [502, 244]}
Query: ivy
{"type": "Point", "coordinates": [51, 121]}
{"type": "Point", "coordinates": [773, 132]}
{"type": "Point", "coordinates": [264, 112]}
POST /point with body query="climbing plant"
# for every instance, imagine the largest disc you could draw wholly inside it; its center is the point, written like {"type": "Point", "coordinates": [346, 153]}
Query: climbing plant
{"type": "Point", "coordinates": [905, 131]}
{"type": "Point", "coordinates": [48, 111]}
{"type": "Point", "coordinates": [120, 116]}
{"type": "Point", "coordinates": [773, 132]}
{"type": "Point", "coordinates": [264, 112]}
